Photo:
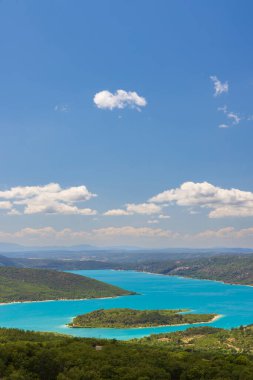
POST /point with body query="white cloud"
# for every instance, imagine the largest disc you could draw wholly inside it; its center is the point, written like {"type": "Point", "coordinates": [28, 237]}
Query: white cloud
{"type": "Point", "coordinates": [116, 212]}
{"type": "Point", "coordinates": [221, 202]}
{"type": "Point", "coordinates": [48, 199]}
{"type": "Point", "coordinates": [133, 231]}
{"type": "Point", "coordinates": [219, 87]}
{"type": "Point", "coordinates": [164, 216]}
{"type": "Point", "coordinates": [228, 236]}
{"type": "Point", "coordinates": [153, 221]}
{"type": "Point", "coordinates": [234, 117]}
{"type": "Point", "coordinates": [120, 99]}
{"type": "Point", "coordinates": [133, 208]}
{"type": "Point", "coordinates": [62, 108]}
{"type": "Point", "coordinates": [143, 208]}
{"type": "Point", "coordinates": [223, 126]}
{"type": "Point", "coordinates": [5, 205]}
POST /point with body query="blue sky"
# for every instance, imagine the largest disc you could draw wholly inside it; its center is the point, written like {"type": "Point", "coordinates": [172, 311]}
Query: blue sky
{"type": "Point", "coordinates": [169, 130]}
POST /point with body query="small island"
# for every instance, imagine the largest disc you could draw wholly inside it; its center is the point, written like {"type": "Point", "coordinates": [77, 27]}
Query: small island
{"type": "Point", "coordinates": [131, 318]}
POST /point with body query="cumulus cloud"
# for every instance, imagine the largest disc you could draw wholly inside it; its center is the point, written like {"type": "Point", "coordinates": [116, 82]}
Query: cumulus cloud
{"type": "Point", "coordinates": [219, 87]}
{"type": "Point", "coordinates": [120, 99]}
{"type": "Point", "coordinates": [133, 208]}
{"type": "Point", "coordinates": [221, 202]}
{"type": "Point", "coordinates": [48, 199]}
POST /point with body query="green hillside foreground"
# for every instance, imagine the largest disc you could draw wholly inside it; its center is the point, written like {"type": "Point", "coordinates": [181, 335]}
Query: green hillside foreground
{"type": "Point", "coordinates": [19, 285]}
{"type": "Point", "coordinates": [47, 356]}
{"type": "Point", "coordinates": [237, 340]}
{"type": "Point", "coordinates": [127, 318]}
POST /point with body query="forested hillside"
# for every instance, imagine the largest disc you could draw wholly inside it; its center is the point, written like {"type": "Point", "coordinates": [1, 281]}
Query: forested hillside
{"type": "Point", "coordinates": [205, 339]}
{"type": "Point", "coordinates": [38, 356]}
{"type": "Point", "coordinates": [19, 284]}
{"type": "Point", "coordinates": [234, 269]}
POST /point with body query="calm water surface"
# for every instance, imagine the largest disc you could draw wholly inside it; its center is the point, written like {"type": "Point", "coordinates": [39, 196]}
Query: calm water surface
{"type": "Point", "coordinates": [235, 302]}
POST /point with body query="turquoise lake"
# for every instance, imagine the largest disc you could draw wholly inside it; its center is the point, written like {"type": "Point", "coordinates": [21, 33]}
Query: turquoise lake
{"type": "Point", "coordinates": [234, 302]}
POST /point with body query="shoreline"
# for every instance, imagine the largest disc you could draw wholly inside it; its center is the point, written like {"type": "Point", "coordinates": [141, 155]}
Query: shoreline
{"type": "Point", "coordinates": [193, 278]}
{"type": "Point", "coordinates": [57, 300]}
{"type": "Point", "coordinates": [215, 318]}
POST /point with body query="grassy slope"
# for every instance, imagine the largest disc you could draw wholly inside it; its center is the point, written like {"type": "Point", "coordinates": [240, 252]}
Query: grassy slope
{"type": "Point", "coordinates": [18, 284]}
{"type": "Point", "coordinates": [125, 318]}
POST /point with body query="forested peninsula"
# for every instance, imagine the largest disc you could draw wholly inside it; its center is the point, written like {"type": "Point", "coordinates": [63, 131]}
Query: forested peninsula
{"type": "Point", "coordinates": [131, 318]}
{"type": "Point", "coordinates": [23, 285]}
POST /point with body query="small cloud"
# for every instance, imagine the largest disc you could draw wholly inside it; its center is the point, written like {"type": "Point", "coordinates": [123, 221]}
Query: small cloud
{"type": "Point", "coordinates": [154, 221]}
{"type": "Point", "coordinates": [234, 117]}
{"type": "Point", "coordinates": [223, 126]}
{"type": "Point", "coordinates": [5, 205]}
{"type": "Point", "coordinates": [164, 216]}
{"type": "Point", "coordinates": [133, 208]}
{"type": "Point", "coordinates": [219, 87]}
{"type": "Point", "coordinates": [61, 108]}
{"type": "Point", "coordinates": [116, 212]}
{"type": "Point", "coordinates": [13, 212]}
{"type": "Point", "coordinates": [120, 99]}
{"type": "Point", "coordinates": [194, 212]}
{"type": "Point", "coordinates": [224, 109]}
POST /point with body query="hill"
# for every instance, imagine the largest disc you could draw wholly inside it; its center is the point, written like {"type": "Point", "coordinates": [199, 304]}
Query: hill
{"type": "Point", "coordinates": [19, 284]}
{"type": "Point", "coordinates": [233, 269]}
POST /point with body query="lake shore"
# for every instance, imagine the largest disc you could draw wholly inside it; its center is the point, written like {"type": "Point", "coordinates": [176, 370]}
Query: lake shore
{"type": "Point", "coordinates": [56, 300]}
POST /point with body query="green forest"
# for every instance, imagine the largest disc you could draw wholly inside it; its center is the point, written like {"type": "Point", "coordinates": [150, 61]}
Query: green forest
{"type": "Point", "coordinates": [45, 356]}
{"type": "Point", "coordinates": [125, 318]}
{"type": "Point", "coordinates": [19, 285]}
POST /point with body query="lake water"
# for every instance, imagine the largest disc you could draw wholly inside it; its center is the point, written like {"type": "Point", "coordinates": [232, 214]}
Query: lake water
{"type": "Point", "coordinates": [235, 302]}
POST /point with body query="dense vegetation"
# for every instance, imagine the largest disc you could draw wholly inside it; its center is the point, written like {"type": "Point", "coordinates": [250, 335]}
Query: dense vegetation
{"type": "Point", "coordinates": [206, 339]}
{"type": "Point", "coordinates": [125, 318]}
{"type": "Point", "coordinates": [234, 269]}
{"type": "Point", "coordinates": [19, 284]}
{"type": "Point", "coordinates": [37, 356]}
